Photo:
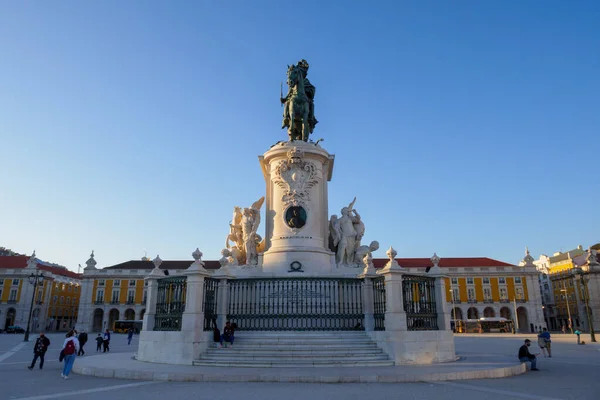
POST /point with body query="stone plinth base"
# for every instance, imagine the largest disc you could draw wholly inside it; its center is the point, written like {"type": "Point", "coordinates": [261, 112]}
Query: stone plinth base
{"type": "Point", "coordinates": [416, 347]}
{"type": "Point", "coordinates": [169, 347]}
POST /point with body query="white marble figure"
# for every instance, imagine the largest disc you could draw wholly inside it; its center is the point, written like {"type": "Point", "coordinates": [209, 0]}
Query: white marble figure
{"type": "Point", "coordinates": [362, 251]}
{"type": "Point", "coordinates": [345, 230]}
{"type": "Point", "coordinates": [368, 263]}
{"type": "Point", "coordinates": [226, 259]}
{"type": "Point", "coordinates": [250, 223]}
{"type": "Point", "coordinates": [242, 242]}
{"type": "Point", "coordinates": [334, 233]}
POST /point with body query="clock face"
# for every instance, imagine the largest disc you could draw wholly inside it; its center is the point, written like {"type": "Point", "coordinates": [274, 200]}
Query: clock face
{"type": "Point", "coordinates": [295, 217]}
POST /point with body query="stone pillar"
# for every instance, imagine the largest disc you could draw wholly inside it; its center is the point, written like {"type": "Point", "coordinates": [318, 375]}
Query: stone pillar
{"type": "Point", "coordinates": [368, 299]}
{"type": "Point", "coordinates": [193, 316]}
{"type": "Point", "coordinates": [441, 304]}
{"type": "Point", "coordinates": [296, 215]}
{"type": "Point", "coordinates": [152, 297]}
{"type": "Point", "coordinates": [85, 312]}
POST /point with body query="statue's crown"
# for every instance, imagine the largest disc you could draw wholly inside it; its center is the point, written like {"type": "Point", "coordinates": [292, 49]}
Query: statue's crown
{"type": "Point", "coordinates": [303, 64]}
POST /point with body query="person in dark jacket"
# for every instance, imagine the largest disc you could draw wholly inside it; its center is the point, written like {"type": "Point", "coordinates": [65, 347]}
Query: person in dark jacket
{"type": "Point", "coordinates": [106, 341]}
{"type": "Point", "coordinates": [39, 350]}
{"type": "Point", "coordinates": [525, 356]}
{"type": "Point", "coordinates": [82, 341]}
{"type": "Point", "coordinates": [129, 335]}
{"type": "Point", "coordinates": [99, 342]}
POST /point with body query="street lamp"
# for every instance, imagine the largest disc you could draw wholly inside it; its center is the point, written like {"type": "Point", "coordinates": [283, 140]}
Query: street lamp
{"type": "Point", "coordinates": [568, 309]}
{"type": "Point", "coordinates": [35, 279]}
{"type": "Point", "coordinates": [581, 275]}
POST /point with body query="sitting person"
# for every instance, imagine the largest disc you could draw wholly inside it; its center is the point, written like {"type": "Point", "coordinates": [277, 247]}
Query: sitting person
{"type": "Point", "coordinates": [525, 356]}
{"type": "Point", "coordinates": [228, 333]}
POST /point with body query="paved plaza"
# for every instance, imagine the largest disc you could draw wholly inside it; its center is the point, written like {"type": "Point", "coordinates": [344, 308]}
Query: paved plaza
{"type": "Point", "coordinates": [572, 373]}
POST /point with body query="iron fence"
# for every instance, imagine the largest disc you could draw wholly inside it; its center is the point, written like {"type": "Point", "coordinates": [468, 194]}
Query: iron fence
{"type": "Point", "coordinates": [419, 302]}
{"type": "Point", "coordinates": [211, 291]}
{"type": "Point", "coordinates": [296, 304]}
{"type": "Point", "coordinates": [379, 303]}
{"type": "Point", "coordinates": [170, 303]}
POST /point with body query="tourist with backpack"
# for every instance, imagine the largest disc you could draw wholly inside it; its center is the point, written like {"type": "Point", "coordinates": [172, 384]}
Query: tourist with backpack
{"type": "Point", "coordinates": [39, 350]}
{"type": "Point", "coordinates": [106, 342]}
{"type": "Point", "coordinates": [70, 349]}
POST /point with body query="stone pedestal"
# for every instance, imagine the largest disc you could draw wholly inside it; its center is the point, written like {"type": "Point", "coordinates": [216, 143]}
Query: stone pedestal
{"type": "Point", "coordinates": [296, 216]}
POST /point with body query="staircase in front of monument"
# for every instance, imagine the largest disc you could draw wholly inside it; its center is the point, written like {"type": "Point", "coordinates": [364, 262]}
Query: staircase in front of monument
{"type": "Point", "coordinates": [297, 349]}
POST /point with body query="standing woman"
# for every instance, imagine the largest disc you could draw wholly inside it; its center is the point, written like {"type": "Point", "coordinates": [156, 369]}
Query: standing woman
{"type": "Point", "coordinates": [70, 349]}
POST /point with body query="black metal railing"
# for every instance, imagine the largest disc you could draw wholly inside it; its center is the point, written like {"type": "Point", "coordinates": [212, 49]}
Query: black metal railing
{"type": "Point", "coordinates": [170, 303]}
{"type": "Point", "coordinates": [419, 302]}
{"type": "Point", "coordinates": [211, 291]}
{"type": "Point", "coordinates": [296, 304]}
{"type": "Point", "coordinates": [379, 303]}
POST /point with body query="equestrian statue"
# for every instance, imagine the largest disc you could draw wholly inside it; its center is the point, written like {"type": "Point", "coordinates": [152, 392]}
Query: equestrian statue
{"type": "Point", "coordinates": [299, 109]}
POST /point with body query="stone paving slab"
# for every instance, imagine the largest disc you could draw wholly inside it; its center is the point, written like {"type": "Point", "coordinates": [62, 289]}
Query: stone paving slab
{"type": "Point", "coordinates": [124, 366]}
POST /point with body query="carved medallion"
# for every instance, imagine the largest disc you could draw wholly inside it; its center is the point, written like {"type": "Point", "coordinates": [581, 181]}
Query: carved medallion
{"type": "Point", "coordinates": [296, 177]}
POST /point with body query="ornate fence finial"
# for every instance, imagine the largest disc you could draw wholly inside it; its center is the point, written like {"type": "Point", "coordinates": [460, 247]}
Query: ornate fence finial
{"type": "Point", "coordinates": [435, 260]}
{"type": "Point", "coordinates": [368, 263]}
{"type": "Point", "coordinates": [392, 263]}
{"type": "Point", "coordinates": [198, 264]}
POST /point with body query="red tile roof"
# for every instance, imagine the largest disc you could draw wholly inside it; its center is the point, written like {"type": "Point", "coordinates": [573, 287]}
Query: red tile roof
{"type": "Point", "coordinates": [454, 262]}
{"type": "Point", "coordinates": [379, 263]}
{"type": "Point", "coordinates": [16, 262]}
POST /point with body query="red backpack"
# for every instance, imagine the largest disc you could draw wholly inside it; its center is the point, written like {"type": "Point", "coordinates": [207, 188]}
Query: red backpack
{"type": "Point", "coordinates": [69, 348]}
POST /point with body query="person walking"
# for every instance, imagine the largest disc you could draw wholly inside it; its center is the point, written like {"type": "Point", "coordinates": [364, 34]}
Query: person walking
{"type": "Point", "coordinates": [106, 341]}
{"type": "Point", "coordinates": [526, 357]}
{"type": "Point", "coordinates": [83, 337]}
{"type": "Point", "coordinates": [129, 335]}
{"type": "Point", "coordinates": [70, 349]}
{"type": "Point", "coordinates": [545, 335]}
{"type": "Point", "coordinates": [39, 350]}
{"type": "Point", "coordinates": [541, 343]}
{"type": "Point", "coordinates": [578, 333]}
{"type": "Point", "coordinates": [99, 342]}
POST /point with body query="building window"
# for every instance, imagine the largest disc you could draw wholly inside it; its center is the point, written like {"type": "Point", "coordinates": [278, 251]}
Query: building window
{"type": "Point", "coordinates": [70, 288]}
{"type": "Point", "coordinates": [503, 294]}
{"type": "Point", "coordinates": [68, 301]}
{"type": "Point", "coordinates": [146, 282]}
{"type": "Point", "coordinates": [12, 297]}
{"type": "Point", "coordinates": [469, 280]}
{"type": "Point", "coordinates": [132, 282]}
{"type": "Point", "coordinates": [487, 294]}
{"type": "Point", "coordinates": [519, 294]}
{"type": "Point", "coordinates": [74, 301]}
{"type": "Point", "coordinates": [15, 282]}
{"type": "Point", "coordinates": [570, 283]}
{"type": "Point", "coordinates": [101, 282]}
{"type": "Point", "coordinates": [0, 293]}
{"type": "Point", "coordinates": [517, 279]}
{"type": "Point", "coordinates": [146, 295]}
{"type": "Point", "coordinates": [471, 294]}
{"type": "Point", "coordinates": [130, 296]}
{"type": "Point", "coordinates": [54, 299]}
{"type": "Point", "coordinates": [100, 296]}
{"type": "Point", "coordinates": [486, 281]}
{"type": "Point", "coordinates": [1, 282]}
{"type": "Point", "coordinates": [117, 282]}
{"type": "Point", "coordinates": [115, 296]}
{"type": "Point", "coordinates": [62, 300]}
{"type": "Point", "coordinates": [39, 296]}
{"type": "Point", "coordinates": [502, 280]}
{"type": "Point", "coordinates": [76, 288]}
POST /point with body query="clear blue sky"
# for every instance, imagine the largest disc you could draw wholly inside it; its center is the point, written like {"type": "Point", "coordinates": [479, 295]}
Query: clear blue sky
{"type": "Point", "coordinates": [468, 128]}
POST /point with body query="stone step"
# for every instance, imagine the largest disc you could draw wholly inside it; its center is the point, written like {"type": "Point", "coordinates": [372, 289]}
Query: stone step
{"type": "Point", "coordinates": [286, 359]}
{"type": "Point", "coordinates": [269, 351]}
{"type": "Point", "coordinates": [275, 364]}
{"type": "Point", "coordinates": [312, 341]}
{"type": "Point", "coordinates": [303, 346]}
